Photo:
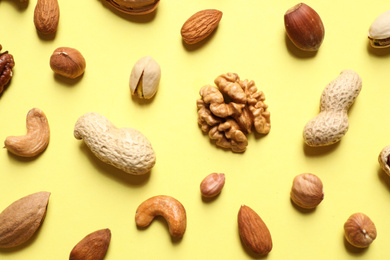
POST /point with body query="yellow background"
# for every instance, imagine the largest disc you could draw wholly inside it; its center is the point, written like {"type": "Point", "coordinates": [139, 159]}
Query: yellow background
{"type": "Point", "coordinates": [87, 195]}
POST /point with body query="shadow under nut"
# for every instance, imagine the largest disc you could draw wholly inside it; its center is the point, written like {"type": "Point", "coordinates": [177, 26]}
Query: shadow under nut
{"type": "Point", "coordinates": [124, 148]}
{"type": "Point", "coordinates": [167, 207]}
{"type": "Point", "coordinates": [37, 138]}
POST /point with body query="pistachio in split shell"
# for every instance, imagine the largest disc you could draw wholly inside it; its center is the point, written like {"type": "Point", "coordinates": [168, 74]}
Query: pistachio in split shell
{"type": "Point", "coordinates": [304, 27]}
{"type": "Point", "coordinates": [379, 32]}
{"type": "Point", "coordinates": [359, 230]}
{"type": "Point", "coordinates": [134, 7]}
{"type": "Point", "coordinates": [307, 191]}
{"type": "Point", "coordinates": [67, 62]}
{"type": "Point", "coordinates": [145, 77]}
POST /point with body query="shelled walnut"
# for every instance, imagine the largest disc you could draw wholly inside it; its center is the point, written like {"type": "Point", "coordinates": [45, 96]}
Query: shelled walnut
{"type": "Point", "coordinates": [6, 64]}
{"type": "Point", "coordinates": [229, 111]}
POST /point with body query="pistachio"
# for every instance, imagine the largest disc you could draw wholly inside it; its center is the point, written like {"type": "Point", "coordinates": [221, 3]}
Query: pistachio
{"type": "Point", "coordinates": [135, 7]}
{"type": "Point", "coordinates": [145, 77]}
{"type": "Point", "coordinates": [379, 32]}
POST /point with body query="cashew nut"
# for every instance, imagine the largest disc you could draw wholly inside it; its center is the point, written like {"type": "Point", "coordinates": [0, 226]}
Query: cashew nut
{"type": "Point", "coordinates": [331, 124]}
{"type": "Point", "coordinates": [36, 139]}
{"type": "Point", "coordinates": [124, 148]}
{"type": "Point", "coordinates": [167, 207]}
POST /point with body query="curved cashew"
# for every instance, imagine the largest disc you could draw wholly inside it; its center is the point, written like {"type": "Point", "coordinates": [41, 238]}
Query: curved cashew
{"type": "Point", "coordinates": [167, 207]}
{"type": "Point", "coordinates": [36, 139]}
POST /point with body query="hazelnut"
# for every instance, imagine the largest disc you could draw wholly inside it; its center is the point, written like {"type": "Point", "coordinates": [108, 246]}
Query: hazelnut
{"type": "Point", "coordinates": [67, 62]}
{"type": "Point", "coordinates": [359, 230]}
{"type": "Point", "coordinates": [307, 191]}
{"type": "Point", "coordinates": [304, 27]}
{"type": "Point", "coordinates": [212, 185]}
{"type": "Point", "coordinates": [379, 32]}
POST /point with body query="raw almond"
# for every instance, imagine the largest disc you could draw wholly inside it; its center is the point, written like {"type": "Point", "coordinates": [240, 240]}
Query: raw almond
{"type": "Point", "coordinates": [200, 25]}
{"type": "Point", "coordinates": [20, 220]}
{"type": "Point", "coordinates": [253, 231]}
{"type": "Point", "coordinates": [92, 247]}
{"type": "Point", "coordinates": [46, 16]}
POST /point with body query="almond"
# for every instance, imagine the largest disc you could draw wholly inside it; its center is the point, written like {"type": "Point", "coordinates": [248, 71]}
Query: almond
{"type": "Point", "coordinates": [212, 185]}
{"type": "Point", "coordinates": [92, 247]}
{"type": "Point", "coordinates": [20, 220]}
{"type": "Point", "coordinates": [46, 16]}
{"type": "Point", "coordinates": [253, 231]}
{"type": "Point", "coordinates": [200, 25]}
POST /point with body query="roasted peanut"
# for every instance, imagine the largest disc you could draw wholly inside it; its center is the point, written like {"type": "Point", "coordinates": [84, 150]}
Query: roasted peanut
{"type": "Point", "coordinates": [167, 207]}
{"type": "Point", "coordinates": [212, 185]}
{"type": "Point", "coordinates": [124, 148]}
{"type": "Point", "coordinates": [331, 124]}
{"type": "Point", "coordinates": [36, 139]}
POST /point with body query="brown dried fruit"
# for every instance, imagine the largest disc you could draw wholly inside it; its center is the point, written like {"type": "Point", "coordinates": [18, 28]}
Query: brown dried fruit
{"type": "Point", "coordinates": [67, 62]}
{"type": "Point", "coordinates": [37, 138]}
{"type": "Point", "coordinates": [212, 185]}
{"type": "Point", "coordinates": [20, 220]}
{"type": "Point", "coordinates": [253, 231]}
{"type": "Point", "coordinates": [169, 208]}
{"type": "Point", "coordinates": [307, 190]}
{"type": "Point", "coordinates": [200, 25]}
{"type": "Point", "coordinates": [359, 230]}
{"type": "Point", "coordinates": [92, 247]}
{"type": "Point", "coordinates": [46, 16]}
{"type": "Point", "coordinates": [6, 64]}
{"type": "Point", "coordinates": [134, 7]}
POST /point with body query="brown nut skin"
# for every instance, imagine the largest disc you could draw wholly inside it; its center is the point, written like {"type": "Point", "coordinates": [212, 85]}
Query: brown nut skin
{"type": "Point", "coordinates": [307, 191]}
{"type": "Point", "coordinates": [212, 185]}
{"type": "Point", "coordinates": [134, 7]}
{"type": "Point", "coordinates": [46, 16]}
{"type": "Point", "coordinates": [37, 138]}
{"type": "Point", "coordinates": [6, 65]}
{"type": "Point", "coordinates": [67, 62]}
{"type": "Point", "coordinates": [304, 27]}
{"type": "Point", "coordinates": [20, 220]}
{"type": "Point", "coordinates": [359, 230]}
{"type": "Point", "coordinates": [384, 159]}
{"type": "Point", "coordinates": [254, 233]}
{"type": "Point", "coordinates": [92, 247]}
{"type": "Point", "coordinates": [167, 207]}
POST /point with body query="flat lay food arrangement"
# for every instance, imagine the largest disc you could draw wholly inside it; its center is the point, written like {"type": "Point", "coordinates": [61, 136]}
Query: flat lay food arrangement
{"type": "Point", "coordinates": [152, 129]}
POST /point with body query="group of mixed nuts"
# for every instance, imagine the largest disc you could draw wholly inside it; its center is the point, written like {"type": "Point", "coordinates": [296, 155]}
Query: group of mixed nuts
{"type": "Point", "coordinates": [227, 122]}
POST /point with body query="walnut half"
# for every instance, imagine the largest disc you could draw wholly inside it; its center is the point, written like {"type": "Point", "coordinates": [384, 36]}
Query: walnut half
{"type": "Point", "coordinates": [229, 111]}
{"type": "Point", "coordinates": [6, 64]}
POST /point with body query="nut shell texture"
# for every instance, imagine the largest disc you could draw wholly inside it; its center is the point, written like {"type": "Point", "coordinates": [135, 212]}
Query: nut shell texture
{"type": "Point", "coordinates": [124, 148]}
{"type": "Point", "coordinates": [359, 230]}
{"type": "Point", "coordinates": [145, 77]}
{"type": "Point", "coordinates": [46, 16]}
{"type": "Point", "coordinates": [304, 27]}
{"type": "Point", "coordinates": [383, 159]}
{"type": "Point", "coordinates": [307, 191]}
{"type": "Point", "coordinates": [67, 62]}
{"type": "Point", "coordinates": [20, 220]}
{"type": "Point", "coordinates": [92, 247]}
{"type": "Point", "coordinates": [253, 231]}
{"type": "Point", "coordinates": [331, 124]}
{"type": "Point", "coordinates": [134, 7]}
{"type": "Point", "coordinates": [200, 25]}
{"type": "Point", "coordinates": [379, 31]}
